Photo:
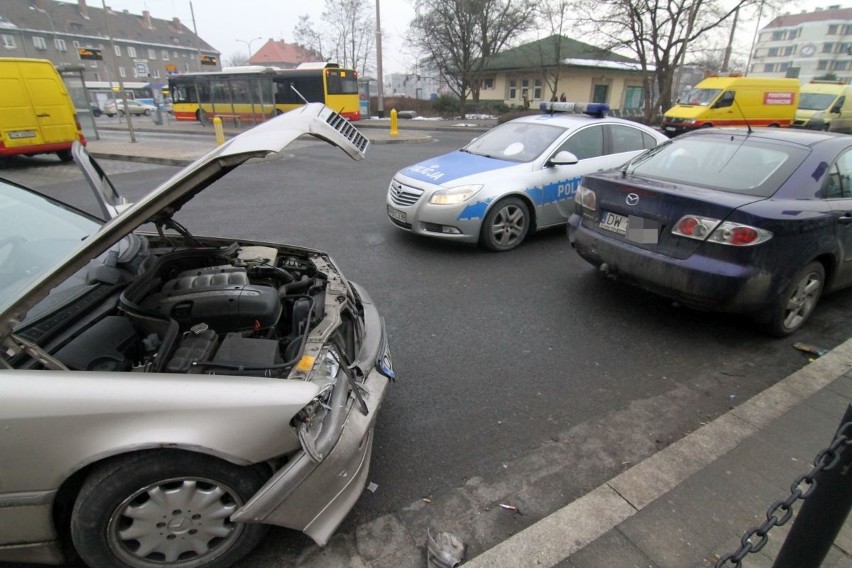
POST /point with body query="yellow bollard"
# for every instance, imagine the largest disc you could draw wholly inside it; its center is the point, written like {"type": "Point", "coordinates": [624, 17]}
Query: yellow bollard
{"type": "Point", "coordinates": [220, 132]}
{"type": "Point", "coordinates": [394, 127]}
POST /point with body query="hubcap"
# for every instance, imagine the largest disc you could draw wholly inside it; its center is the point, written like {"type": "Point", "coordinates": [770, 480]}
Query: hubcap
{"type": "Point", "coordinates": [801, 302]}
{"type": "Point", "coordinates": [509, 225]}
{"type": "Point", "coordinates": [174, 521]}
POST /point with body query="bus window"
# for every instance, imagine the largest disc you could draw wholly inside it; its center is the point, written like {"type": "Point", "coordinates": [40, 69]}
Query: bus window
{"type": "Point", "coordinates": [346, 84]}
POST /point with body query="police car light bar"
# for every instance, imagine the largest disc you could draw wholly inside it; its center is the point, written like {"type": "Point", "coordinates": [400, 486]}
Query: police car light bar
{"type": "Point", "coordinates": [592, 109]}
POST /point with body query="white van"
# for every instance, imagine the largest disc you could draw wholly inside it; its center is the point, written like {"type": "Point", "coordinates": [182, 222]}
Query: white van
{"type": "Point", "coordinates": [825, 105]}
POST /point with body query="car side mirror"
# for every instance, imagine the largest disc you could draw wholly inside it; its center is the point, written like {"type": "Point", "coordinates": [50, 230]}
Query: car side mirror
{"type": "Point", "coordinates": [835, 109]}
{"type": "Point", "coordinates": [563, 158]}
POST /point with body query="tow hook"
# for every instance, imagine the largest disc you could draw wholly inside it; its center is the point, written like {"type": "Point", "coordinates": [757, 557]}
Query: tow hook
{"type": "Point", "coordinates": [606, 270]}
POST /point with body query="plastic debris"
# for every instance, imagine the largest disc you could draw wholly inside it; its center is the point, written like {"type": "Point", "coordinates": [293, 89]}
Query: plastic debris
{"type": "Point", "coordinates": [508, 507]}
{"type": "Point", "coordinates": [427, 500]}
{"type": "Point", "coordinates": [444, 550]}
{"type": "Point", "coordinates": [372, 487]}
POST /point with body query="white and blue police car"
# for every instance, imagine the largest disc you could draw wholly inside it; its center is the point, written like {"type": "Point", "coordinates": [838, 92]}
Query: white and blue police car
{"type": "Point", "coordinates": [516, 178]}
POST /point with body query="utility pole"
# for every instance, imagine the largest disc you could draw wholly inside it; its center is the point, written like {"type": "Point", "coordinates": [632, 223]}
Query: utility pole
{"type": "Point", "coordinates": [120, 81]}
{"type": "Point", "coordinates": [727, 60]}
{"type": "Point", "coordinates": [381, 81]}
{"type": "Point", "coordinates": [197, 41]}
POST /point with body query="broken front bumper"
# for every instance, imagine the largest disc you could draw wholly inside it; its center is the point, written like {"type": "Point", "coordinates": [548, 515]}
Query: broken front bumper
{"type": "Point", "coordinates": [314, 496]}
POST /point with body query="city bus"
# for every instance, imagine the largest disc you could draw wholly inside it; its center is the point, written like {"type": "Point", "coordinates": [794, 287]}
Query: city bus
{"type": "Point", "coordinates": [252, 94]}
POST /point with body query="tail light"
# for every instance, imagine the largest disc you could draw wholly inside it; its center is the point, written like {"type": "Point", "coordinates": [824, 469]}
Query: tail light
{"type": "Point", "coordinates": [715, 231]}
{"type": "Point", "coordinates": [586, 198]}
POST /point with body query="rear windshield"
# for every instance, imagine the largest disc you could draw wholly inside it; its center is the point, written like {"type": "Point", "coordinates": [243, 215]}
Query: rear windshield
{"type": "Point", "coordinates": [735, 164]}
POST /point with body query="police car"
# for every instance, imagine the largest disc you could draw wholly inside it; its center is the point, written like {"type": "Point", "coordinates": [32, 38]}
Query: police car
{"type": "Point", "coordinates": [516, 178]}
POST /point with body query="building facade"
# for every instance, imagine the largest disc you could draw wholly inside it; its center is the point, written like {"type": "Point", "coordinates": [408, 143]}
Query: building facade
{"type": "Point", "coordinates": [806, 46]}
{"type": "Point", "coordinates": [142, 50]}
{"type": "Point", "coordinates": [557, 66]}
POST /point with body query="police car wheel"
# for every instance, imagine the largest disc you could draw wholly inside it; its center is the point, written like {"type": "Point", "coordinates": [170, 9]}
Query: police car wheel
{"type": "Point", "coordinates": [506, 225]}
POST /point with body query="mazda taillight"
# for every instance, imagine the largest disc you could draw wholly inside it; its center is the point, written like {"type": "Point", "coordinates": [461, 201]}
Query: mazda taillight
{"type": "Point", "coordinates": [715, 231]}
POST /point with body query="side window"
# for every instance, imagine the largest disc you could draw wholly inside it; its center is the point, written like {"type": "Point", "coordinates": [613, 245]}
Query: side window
{"type": "Point", "coordinates": [838, 182]}
{"type": "Point", "coordinates": [585, 143]}
{"type": "Point", "coordinates": [626, 139]}
{"type": "Point", "coordinates": [726, 100]}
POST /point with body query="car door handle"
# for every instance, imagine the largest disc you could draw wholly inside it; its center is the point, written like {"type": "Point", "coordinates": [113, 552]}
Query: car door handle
{"type": "Point", "coordinates": [845, 219]}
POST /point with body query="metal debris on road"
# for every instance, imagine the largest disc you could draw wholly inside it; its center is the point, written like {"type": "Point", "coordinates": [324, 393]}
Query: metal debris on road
{"type": "Point", "coordinates": [372, 487]}
{"type": "Point", "coordinates": [810, 349]}
{"type": "Point", "coordinates": [508, 507]}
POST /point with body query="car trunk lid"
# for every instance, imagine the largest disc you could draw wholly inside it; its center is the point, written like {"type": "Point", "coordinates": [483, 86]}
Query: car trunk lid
{"type": "Point", "coordinates": [644, 211]}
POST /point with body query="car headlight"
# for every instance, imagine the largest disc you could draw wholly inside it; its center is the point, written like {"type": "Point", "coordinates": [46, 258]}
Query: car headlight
{"type": "Point", "coordinates": [454, 195]}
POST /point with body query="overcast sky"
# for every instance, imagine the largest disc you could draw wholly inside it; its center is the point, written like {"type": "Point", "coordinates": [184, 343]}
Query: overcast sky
{"type": "Point", "coordinates": [222, 22]}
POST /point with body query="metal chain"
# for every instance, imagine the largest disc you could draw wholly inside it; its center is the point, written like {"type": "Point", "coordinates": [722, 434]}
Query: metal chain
{"type": "Point", "coordinates": [826, 460]}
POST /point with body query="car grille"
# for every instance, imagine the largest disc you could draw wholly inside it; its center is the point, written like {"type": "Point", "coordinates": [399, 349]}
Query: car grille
{"type": "Point", "coordinates": [404, 195]}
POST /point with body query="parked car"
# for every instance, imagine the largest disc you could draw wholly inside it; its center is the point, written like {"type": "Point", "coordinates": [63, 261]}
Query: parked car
{"type": "Point", "coordinates": [96, 110]}
{"type": "Point", "coordinates": [735, 220]}
{"type": "Point", "coordinates": [134, 107]}
{"type": "Point", "coordinates": [514, 179]}
{"type": "Point", "coordinates": [165, 395]}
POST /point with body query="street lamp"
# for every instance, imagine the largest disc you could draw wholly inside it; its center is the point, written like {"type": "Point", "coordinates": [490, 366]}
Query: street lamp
{"type": "Point", "coordinates": [248, 44]}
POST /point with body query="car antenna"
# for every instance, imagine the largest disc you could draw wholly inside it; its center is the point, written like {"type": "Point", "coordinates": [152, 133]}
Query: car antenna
{"type": "Point", "coordinates": [748, 126]}
{"type": "Point", "coordinates": [295, 90]}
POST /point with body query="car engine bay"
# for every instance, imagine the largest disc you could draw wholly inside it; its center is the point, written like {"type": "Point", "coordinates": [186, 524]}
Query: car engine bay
{"type": "Point", "coordinates": [232, 309]}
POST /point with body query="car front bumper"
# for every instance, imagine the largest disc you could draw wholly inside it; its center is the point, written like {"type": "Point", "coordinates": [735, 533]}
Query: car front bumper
{"type": "Point", "coordinates": [413, 212]}
{"type": "Point", "coordinates": [315, 496]}
{"type": "Point", "coordinates": [698, 281]}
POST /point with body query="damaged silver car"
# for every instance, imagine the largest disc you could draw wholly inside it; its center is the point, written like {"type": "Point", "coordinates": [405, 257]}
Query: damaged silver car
{"type": "Point", "coordinates": [165, 396]}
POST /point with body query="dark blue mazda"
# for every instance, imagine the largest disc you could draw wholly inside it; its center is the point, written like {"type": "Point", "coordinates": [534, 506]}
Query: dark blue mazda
{"type": "Point", "coordinates": [751, 221]}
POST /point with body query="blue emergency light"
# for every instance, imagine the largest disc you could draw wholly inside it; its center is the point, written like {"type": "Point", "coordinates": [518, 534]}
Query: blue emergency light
{"type": "Point", "coordinates": [597, 110]}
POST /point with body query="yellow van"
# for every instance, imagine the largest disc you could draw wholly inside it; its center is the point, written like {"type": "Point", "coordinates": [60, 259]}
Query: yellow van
{"type": "Point", "coordinates": [36, 112]}
{"type": "Point", "coordinates": [734, 101]}
{"type": "Point", "coordinates": [825, 105]}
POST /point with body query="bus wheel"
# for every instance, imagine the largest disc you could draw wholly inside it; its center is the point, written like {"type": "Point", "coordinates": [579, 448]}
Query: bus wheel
{"type": "Point", "coordinates": [201, 116]}
{"type": "Point", "coordinates": [278, 112]}
{"type": "Point", "coordinates": [65, 155]}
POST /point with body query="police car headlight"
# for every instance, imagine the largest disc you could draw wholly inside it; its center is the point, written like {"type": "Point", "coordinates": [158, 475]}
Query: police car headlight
{"type": "Point", "coordinates": [454, 195]}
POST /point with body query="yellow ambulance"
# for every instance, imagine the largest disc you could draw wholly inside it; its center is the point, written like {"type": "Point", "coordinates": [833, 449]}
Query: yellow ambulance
{"type": "Point", "coordinates": [36, 112]}
{"type": "Point", "coordinates": [825, 105]}
{"type": "Point", "coordinates": [734, 101]}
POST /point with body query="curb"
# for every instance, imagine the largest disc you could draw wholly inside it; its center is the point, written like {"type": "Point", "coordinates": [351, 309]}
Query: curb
{"type": "Point", "coordinates": [557, 536]}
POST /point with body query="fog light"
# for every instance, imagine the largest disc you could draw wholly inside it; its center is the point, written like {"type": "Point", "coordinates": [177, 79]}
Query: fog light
{"type": "Point", "coordinates": [450, 230]}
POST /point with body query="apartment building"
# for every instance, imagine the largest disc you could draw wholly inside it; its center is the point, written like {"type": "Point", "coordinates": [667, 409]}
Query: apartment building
{"type": "Point", "coordinates": [142, 50]}
{"type": "Point", "coordinates": [808, 45]}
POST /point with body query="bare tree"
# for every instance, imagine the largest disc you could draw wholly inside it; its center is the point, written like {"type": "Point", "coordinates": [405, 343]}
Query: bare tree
{"type": "Point", "coordinates": [460, 36]}
{"type": "Point", "coordinates": [658, 33]}
{"type": "Point", "coordinates": [555, 17]}
{"type": "Point", "coordinates": [238, 59]}
{"type": "Point", "coordinates": [345, 35]}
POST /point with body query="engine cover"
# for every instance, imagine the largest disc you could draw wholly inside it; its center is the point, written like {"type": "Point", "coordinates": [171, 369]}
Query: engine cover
{"type": "Point", "coordinates": [220, 296]}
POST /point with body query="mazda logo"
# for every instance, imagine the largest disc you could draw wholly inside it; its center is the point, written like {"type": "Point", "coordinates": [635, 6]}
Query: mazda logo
{"type": "Point", "coordinates": [632, 199]}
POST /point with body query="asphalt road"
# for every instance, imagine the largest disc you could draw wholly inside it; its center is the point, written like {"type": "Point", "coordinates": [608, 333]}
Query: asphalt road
{"type": "Point", "coordinates": [496, 353]}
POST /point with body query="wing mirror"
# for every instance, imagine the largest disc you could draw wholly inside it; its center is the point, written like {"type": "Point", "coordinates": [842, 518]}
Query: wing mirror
{"type": "Point", "coordinates": [563, 158]}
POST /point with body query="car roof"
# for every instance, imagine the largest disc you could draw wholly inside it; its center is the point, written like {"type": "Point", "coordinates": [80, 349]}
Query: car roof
{"type": "Point", "coordinates": [790, 135]}
{"type": "Point", "coordinates": [573, 120]}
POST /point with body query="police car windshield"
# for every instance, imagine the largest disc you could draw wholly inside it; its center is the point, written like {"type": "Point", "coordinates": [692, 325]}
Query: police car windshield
{"type": "Point", "coordinates": [515, 141]}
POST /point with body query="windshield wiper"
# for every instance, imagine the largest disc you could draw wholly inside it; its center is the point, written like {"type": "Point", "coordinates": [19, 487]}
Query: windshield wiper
{"type": "Point", "coordinates": [631, 165]}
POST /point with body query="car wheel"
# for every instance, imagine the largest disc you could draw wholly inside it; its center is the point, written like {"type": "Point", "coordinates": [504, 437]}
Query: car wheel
{"type": "Point", "coordinates": [147, 112]}
{"type": "Point", "coordinates": [506, 225]}
{"type": "Point", "coordinates": [65, 155]}
{"type": "Point", "coordinates": [797, 303]}
{"type": "Point", "coordinates": [165, 509]}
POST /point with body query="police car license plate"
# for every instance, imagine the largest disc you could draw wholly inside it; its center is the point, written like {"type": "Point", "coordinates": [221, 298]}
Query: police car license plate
{"type": "Point", "coordinates": [613, 222]}
{"type": "Point", "coordinates": [400, 216]}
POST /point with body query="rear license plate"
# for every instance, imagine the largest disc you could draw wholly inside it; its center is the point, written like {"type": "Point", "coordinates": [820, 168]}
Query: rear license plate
{"type": "Point", "coordinates": [400, 216]}
{"type": "Point", "coordinates": [18, 134]}
{"type": "Point", "coordinates": [613, 222]}
{"type": "Point", "coordinates": [670, 128]}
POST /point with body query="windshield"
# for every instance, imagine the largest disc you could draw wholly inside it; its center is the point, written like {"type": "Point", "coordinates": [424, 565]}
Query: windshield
{"type": "Point", "coordinates": [515, 141]}
{"type": "Point", "coordinates": [700, 97]}
{"type": "Point", "coordinates": [815, 101]}
{"type": "Point", "coordinates": [732, 164]}
{"type": "Point", "coordinates": [36, 233]}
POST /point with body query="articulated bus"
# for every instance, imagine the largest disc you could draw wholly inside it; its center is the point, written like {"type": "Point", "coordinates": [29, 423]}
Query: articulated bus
{"type": "Point", "coordinates": [255, 93]}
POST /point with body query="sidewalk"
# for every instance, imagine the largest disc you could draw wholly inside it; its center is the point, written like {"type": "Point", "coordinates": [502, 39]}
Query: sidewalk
{"type": "Point", "coordinates": [690, 503]}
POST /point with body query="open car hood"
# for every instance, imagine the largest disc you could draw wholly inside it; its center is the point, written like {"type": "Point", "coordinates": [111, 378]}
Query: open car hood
{"type": "Point", "coordinates": [122, 219]}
